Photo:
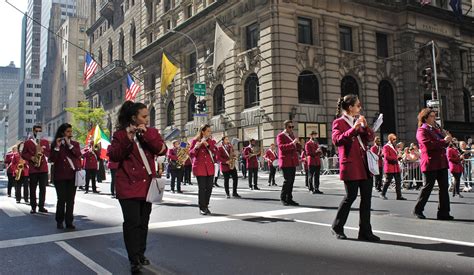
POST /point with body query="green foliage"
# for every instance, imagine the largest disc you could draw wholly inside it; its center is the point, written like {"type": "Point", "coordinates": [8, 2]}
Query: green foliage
{"type": "Point", "coordinates": [84, 118]}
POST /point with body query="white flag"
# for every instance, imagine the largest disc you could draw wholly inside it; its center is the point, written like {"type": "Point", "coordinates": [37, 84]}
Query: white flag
{"type": "Point", "coordinates": [222, 46]}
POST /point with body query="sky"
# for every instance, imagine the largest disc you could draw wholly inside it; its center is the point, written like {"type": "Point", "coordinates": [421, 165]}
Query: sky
{"type": "Point", "coordinates": [10, 31]}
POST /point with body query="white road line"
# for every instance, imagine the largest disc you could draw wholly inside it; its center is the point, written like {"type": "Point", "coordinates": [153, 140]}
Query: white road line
{"type": "Point", "coordinates": [10, 209]}
{"type": "Point", "coordinates": [396, 234]}
{"type": "Point", "coordinates": [171, 200]}
{"type": "Point", "coordinates": [118, 229]}
{"type": "Point", "coordinates": [94, 203]}
{"type": "Point", "coordinates": [190, 196]}
{"type": "Point", "coordinates": [83, 259]}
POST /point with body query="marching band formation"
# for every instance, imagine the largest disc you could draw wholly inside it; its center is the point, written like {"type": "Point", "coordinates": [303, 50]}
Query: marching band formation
{"type": "Point", "coordinates": [135, 148]}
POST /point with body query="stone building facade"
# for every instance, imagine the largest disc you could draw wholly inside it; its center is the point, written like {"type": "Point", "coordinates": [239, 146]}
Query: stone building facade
{"type": "Point", "coordinates": [291, 60]}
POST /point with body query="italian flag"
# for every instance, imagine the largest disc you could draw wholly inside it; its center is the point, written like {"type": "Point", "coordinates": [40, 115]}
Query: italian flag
{"type": "Point", "coordinates": [103, 140]}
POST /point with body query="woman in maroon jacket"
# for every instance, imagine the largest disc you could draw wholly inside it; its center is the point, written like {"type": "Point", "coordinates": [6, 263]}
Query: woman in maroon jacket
{"type": "Point", "coordinates": [225, 155]}
{"type": "Point", "coordinates": [350, 133]}
{"type": "Point", "coordinates": [134, 146]}
{"type": "Point", "coordinates": [455, 167]}
{"type": "Point", "coordinates": [202, 152]}
{"type": "Point", "coordinates": [66, 156]}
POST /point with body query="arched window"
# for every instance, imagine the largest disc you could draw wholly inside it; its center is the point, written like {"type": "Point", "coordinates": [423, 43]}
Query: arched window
{"type": "Point", "coordinates": [251, 91]}
{"type": "Point", "coordinates": [121, 46]}
{"type": "Point", "coordinates": [467, 105]}
{"type": "Point", "coordinates": [170, 114]}
{"type": "Point", "coordinates": [387, 107]}
{"type": "Point", "coordinates": [308, 88]}
{"type": "Point", "coordinates": [349, 86]}
{"type": "Point", "coordinates": [219, 100]}
{"type": "Point", "coordinates": [191, 107]}
{"type": "Point", "coordinates": [100, 57]}
{"type": "Point", "coordinates": [133, 39]}
{"type": "Point", "coordinates": [111, 51]}
{"type": "Point", "coordinates": [152, 117]}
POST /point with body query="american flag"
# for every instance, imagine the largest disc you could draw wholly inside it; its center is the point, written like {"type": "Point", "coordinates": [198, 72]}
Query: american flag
{"type": "Point", "coordinates": [132, 89]}
{"type": "Point", "coordinates": [89, 67]}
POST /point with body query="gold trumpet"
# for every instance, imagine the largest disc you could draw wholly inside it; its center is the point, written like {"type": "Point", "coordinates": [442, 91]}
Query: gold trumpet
{"type": "Point", "coordinates": [19, 169]}
{"type": "Point", "coordinates": [38, 156]}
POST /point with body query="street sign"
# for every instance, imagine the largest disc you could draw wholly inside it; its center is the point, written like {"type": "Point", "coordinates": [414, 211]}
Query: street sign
{"type": "Point", "coordinates": [200, 115]}
{"type": "Point", "coordinates": [432, 103]}
{"type": "Point", "coordinates": [200, 89]}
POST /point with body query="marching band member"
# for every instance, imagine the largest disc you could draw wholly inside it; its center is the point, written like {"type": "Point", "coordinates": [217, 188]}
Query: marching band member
{"type": "Point", "coordinates": [252, 164]}
{"type": "Point", "coordinates": [434, 164]}
{"type": "Point", "coordinates": [304, 163]}
{"type": "Point", "coordinates": [66, 156]}
{"type": "Point", "coordinates": [8, 163]}
{"type": "Point", "coordinates": [351, 135]}
{"type": "Point", "coordinates": [188, 165]}
{"type": "Point", "coordinates": [35, 151]}
{"type": "Point", "coordinates": [226, 156]}
{"type": "Point", "coordinates": [455, 167]}
{"type": "Point", "coordinates": [313, 153]}
{"type": "Point", "coordinates": [271, 156]}
{"type": "Point", "coordinates": [288, 148]}
{"type": "Point", "coordinates": [391, 167]}
{"type": "Point", "coordinates": [377, 149]}
{"type": "Point", "coordinates": [202, 151]}
{"type": "Point", "coordinates": [20, 174]}
{"type": "Point", "coordinates": [135, 146]}
{"type": "Point", "coordinates": [176, 171]}
{"type": "Point", "coordinates": [113, 166]}
{"type": "Point", "coordinates": [91, 165]}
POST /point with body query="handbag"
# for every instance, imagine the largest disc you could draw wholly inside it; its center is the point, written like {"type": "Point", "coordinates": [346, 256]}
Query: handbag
{"type": "Point", "coordinates": [156, 190]}
{"type": "Point", "coordinates": [80, 176]}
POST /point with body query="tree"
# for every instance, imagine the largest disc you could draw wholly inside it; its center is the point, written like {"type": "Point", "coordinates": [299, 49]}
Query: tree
{"type": "Point", "coordinates": [84, 118]}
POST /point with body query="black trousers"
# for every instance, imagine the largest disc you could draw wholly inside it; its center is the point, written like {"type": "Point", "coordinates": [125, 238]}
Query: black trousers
{"type": "Point", "coordinates": [112, 181]}
{"type": "Point", "coordinates": [205, 184]}
{"type": "Point", "coordinates": [187, 173]}
{"type": "Point", "coordinates": [457, 183]}
{"type": "Point", "coordinates": [253, 175]}
{"type": "Point", "coordinates": [36, 179]}
{"type": "Point", "coordinates": [227, 175]}
{"type": "Point", "coordinates": [306, 177]}
{"type": "Point", "coordinates": [378, 179]}
{"type": "Point", "coordinates": [244, 169]}
{"type": "Point", "coordinates": [66, 192]}
{"type": "Point", "coordinates": [428, 182]}
{"type": "Point", "coordinates": [289, 179]}
{"type": "Point", "coordinates": [136, 215]}
{"type": "Point", "coordinates": [11, 183]}
{"type": "Point", "coordinates": [398, 184]}
{"type": "Point", "coordinates": [352, 188]}
{"type": "Point", "coordinates": [18, 184]}
{"type": "Point", "coordinates": [313, 179]}
{"type": "Point", "coordinates": [91, 175]}
{"type": "Point", "coordinates": [271, 177]}
{"type": "Point", "coordinates": [176, 176]}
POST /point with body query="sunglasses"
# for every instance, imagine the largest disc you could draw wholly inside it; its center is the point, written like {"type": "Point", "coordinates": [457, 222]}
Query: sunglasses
{"type": "Point", "coordinates": [291, 127]}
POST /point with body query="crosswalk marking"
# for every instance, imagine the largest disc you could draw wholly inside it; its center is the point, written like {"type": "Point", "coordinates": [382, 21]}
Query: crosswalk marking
{"type": "Point", "coordinates": [10, 208]}
{"type": "Point", "coordinates": [83, 259]}
{"type": "Point", "coordinates": [94, 203]}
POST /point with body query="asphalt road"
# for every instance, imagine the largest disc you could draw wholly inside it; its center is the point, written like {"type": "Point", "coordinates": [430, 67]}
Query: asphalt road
{"type": "Point", "coordinates": [252, 235]}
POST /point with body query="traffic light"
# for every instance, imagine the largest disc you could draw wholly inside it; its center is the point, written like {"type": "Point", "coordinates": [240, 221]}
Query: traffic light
{"type": "Point", "coordinates": [428, 78]}
{"type": "Point", "coordinates": [201, 106]}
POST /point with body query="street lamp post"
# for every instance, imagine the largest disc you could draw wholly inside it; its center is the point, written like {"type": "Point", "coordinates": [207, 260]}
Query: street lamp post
{"type": "Point", "coordinates": [195, 48]}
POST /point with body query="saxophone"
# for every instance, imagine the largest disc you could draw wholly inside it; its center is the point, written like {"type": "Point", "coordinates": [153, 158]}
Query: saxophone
{"type": "Point", "coordinates": [183, 155]}
{"type": "Point", "coordinates": [19, 169]}
{"type": "Point", "coordinates": [38, 155]}
{"type": "Point", "coordinates": [232, 160]}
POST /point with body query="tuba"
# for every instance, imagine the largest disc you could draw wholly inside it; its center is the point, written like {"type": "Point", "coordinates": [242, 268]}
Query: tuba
{"type": "Point", "coordinates": [38, 155]}
{"type": "Point", "coordinates": [19, 169]}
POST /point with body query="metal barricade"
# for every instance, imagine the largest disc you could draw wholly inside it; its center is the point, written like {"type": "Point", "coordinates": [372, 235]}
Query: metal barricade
{"type": "Point", "coordinates": [330, 166]}
{"type": "Point", "coordinates": [411, 173]}
{"type": "Point", "coordinates": [468, 175]}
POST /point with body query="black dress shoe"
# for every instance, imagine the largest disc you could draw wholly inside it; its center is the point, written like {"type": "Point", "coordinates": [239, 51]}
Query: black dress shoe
{"type": "Point", "coordinates": [293, 203]}
{"type": "Point", "coordinates": [256, 188]}
{"type": "Point", "coordinates": [179, 192]}
{"type": "Point", "coordinates": [202, 212]}
{"type": "Point", "coordinates": [227, 196]}
{"type": "Point", "coordinates": [208, 212]}
{"type": "Point", "coordinates": [401, 199]}
{"type": "Point", "coordinates": [236, 196]}
{"type": "Point", "coordinates": [274, 184]}
{"type": "Point", "coordinates": [144, 260]}
{"type": "Point", "coordinates": [250, 187]}
{"type": "Point", "coordinates": [368, 237]}
{"type": "Point", "coordinates": [70, 227]}
{"type": "Point", "coordinates": [33, 211]}
{"type": "Point", "coordinates": [59, 225]}
{"type": "Point", "coordinates": [419, 215]}
{"type": "Point", "coordinates": [339, 235]}
{"type": "Point", "coordinates": [43, 210]}
{"type": "Point", "coordinates": [285, 203]}
{"type": "Point", "coordinates": [317, 192]}
{"type": "Point", "coordinates": [135, 268]}
{"type": "Point", "coordinates": [97, 192]}
{"type": "Point", "coordinates": [445, 218]}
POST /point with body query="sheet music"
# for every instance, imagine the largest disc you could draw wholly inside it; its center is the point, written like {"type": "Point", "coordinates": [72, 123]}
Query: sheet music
{"type": "Point", "coordinates": [378, 123]}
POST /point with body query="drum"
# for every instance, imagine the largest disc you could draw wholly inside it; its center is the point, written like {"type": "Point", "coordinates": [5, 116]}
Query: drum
{"type": "Point", "coordinates": [275, 163]}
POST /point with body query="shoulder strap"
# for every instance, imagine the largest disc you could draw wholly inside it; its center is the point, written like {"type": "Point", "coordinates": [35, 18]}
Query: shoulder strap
{"type": "Point", "coordinates": [143, 157]}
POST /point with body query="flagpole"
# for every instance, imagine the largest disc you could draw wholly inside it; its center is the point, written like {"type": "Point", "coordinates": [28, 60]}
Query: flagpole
{"type": "Point", "coordinates": [195, 48]}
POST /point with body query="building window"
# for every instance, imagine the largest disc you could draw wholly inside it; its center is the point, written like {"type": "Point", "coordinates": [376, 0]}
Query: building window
{"type": "Point", "coordinates": [121, 47]}
{"type": "Point", "coordinates": [467, 105]}
{"type": "Point", "coordinates": [167, 5]}
{"type": "Point", "coordinates": [192, 63]}
{"type": "Point", "coordinates": [133, 39]}
{"type": "Point", "coordinates": [29, 112]}
{"type": "Point", "coordinates": [100, 57]}
{"type": "Point", "coordinates": [219, 103]}
{"type": "Point", "coordinates": [111, 52]}
{"type": "Point", "coordinates": [28, 120]}
{"type": "Point", "coordinates": [387, 107]}
{"type": "Point", "coordinates": [120, 91]}
{"type": "Point", "coordinates": [170, 114]}
{"type": "Point", "coordinates": [38, 86]}
{"type": "Point", "coordinates": [305, 31]}
{"type": "Point", "coordinates": [37, 103]}
{"type": "Point", "coordinates": [382, 45]}
{"type": "Point", "coordinates": [308, 88]}
{"type": "Point", "coordinates": [152, 117]}
{"type": "Point", "coordinates": [29, 103]}
{"type": "Point", "coordinates": [189, 11]}
{"type": "Point", "coordinates": [29, 94]}
{"type": "Point", "coordinates": [252, 35]}
{"type": "Point", "coordinates": [191, 107]}
{"type": "Point", "coordinates": [252, 90]}
{"type": "Point", "coordinates": [29, 85]}
{"type": "Point", "coordinates": [463, 59]}
{"type": "Point", "coordinates": [37, 95]}
{"type": "Point", "coordinates": [346, 38]}
{"type": "Point", "coordinates": [349, 86]}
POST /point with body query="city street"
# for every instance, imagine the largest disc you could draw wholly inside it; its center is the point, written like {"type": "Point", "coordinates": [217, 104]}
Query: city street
{"type": "Point", "coordinates": [252, 235]}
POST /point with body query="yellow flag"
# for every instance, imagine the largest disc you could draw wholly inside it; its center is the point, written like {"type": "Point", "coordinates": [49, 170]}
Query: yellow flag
{"type": "Point", "coordinates": [168, 71]}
